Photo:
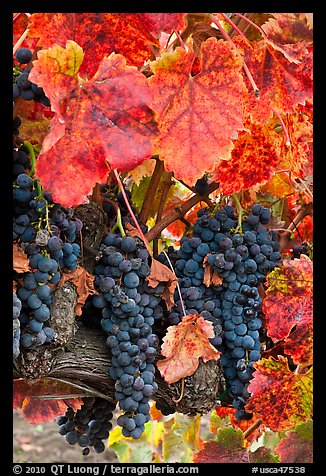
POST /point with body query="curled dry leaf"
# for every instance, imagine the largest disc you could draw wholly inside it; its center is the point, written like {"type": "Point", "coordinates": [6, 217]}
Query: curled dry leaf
{"type": "Point", "coordinates": [21, 262]}
{"type": "Point", "coordinates": [84, 282]}
{"type": "Point", "coordinates": [162, 274]}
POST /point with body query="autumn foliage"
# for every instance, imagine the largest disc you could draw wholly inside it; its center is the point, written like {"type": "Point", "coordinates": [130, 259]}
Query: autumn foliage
{"type": "Point", "coordinates": [200, 95]}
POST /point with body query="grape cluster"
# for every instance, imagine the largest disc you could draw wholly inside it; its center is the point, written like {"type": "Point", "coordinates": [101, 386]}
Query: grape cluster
{"type": "Point", "coordinates": [17, 305]}
{"type": "Point", "coordinates": [129, 309]}
{"type": "Point", "coordinates": [46, 232]}
{"type": "Point", "coordinates": [299, 250]}
{"type": "Point", "coordinates": [22, 86]}
{"type": "Point", "coordinates": [88, 426]}
{"type": "Point", "coordinates": [241, 259]}
{"type": "Point", "coordinates": [21, 161]}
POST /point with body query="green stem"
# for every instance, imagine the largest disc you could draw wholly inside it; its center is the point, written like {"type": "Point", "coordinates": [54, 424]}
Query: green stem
{"type": "Point", "coordinates": [31, 151]}
{"type": "Point", "coordinates": [119, 224]}
{"type": "Point", "coordinates": [240, 211]}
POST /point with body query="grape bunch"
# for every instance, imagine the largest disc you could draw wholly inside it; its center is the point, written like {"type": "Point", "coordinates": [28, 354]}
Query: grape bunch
{"type": "Point", "coordinates": [17, 305]}
{"type": "Point", "coordinates": [22, 86]}
{"type": "Point", "coordinates": [46, 232]}
{"type": "Point", "coordinates": [241, 259]}
{"type": "Point", "coordinates": [129, 309]}
{"type": "Point", "coordinates": [88, 426]}
{"type": "Point", "coordinates": [299, 250]}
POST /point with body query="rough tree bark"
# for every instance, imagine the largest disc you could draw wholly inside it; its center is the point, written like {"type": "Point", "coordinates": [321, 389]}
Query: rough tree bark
{"type": "Point", "coordinates": [79, 354]}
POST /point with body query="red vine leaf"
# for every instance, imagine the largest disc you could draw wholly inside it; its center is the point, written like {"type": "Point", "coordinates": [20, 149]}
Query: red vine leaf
{"type": "Point", "coordinates": [227, 448]}
{"type": "Point", "coordinates": [167, 22]}
{"type": "Point", "coordinates": [99, 34]}
{"type": "Point", "coordinates": [20, 260]}
{"type": "Point", "coordinates": [282, 84]}
{"type": "Point", "coordinates": [162, 274]}
{"type": "Point", "coordinates": [281, 398]}
{"type": "Point", "coordinates": [35, 409]}
{"type": "Point", "coordinates": [297, 446]}
{"type": "Point", "coordinates": [289, 33]}
{"type": "Point", "coordinates": [253, 160]}
{"type": "Point", "coordinates": [198, 115]}
{"type": "Point", "coordinates": [183, 345]}
{"type": "Point", "coordinates": [84, 283]}
{"type": "Point", "coordinates": [100, 124]}
{"type": "Point", "coordinates": [288, 306]}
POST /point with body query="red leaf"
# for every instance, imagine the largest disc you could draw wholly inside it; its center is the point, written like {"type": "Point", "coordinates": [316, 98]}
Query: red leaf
{"type": "Point", "coordinates": [297, 447]}
{"type": "Point", "coordinates": [167, 22]}
{"type": "Point", "coordinates": [183, 345]}
{"type": "Point", "coordinates": [289, 303]}
{"type": "Point", "coordinates": [35, 409]}
{"type": "Point", "coordinates": [99, 34]}
{"type": "Point", "coordinates": [199, 114]}
{"type": "Point", "coordinates": [281, 398]}
{"type": "Point", "coordinates": [100, 124]}
{"type": "Point", "coordinates": [227, 448]}
{"type": "Point", "coordinates": [253, 160]}
{"type": "Point", "coordinates": [282, 84]}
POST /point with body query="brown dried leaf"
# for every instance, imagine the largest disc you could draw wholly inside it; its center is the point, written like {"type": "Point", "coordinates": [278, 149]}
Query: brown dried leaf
{"type": "Point", "coordinates": [84, 282]}
{"type": "Point", "coordinates": [162, 274]}
{"type": "Point", "coordinates": [21, 262]}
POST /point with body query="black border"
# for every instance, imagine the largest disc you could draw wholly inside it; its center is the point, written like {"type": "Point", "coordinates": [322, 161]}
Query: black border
{"type": "Point", "coordinates": [6, 272]}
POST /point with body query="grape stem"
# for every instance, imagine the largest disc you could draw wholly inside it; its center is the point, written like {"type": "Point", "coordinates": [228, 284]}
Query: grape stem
{"type": "Point", "coordinates": [240, 210]}
{"type": "Point", "coordinates": [151, 190]}
{"type": "Point", "coordinates": [177, 400]}
{"type": "Point", "coordinates": [31, 151]}
{"type": "Point", "coordinates": [141, 234]}
{"type": "Point", "coordinates": [177, 212]}
{"type": "Point", "coordinates": [178, 287]}
{"type": "Point", "coordinates": [252, 428]}
{"type": "Point", "coordinates": [118, 224]}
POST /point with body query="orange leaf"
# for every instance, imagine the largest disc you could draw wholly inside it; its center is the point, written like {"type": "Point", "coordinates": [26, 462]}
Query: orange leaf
{"type": "Point", "coordinates": [183, 345]}
{"type": "Point", "coordinates": [20, 261]}
{"type": "Point", "coordinates": [281, 398]}
{"type": "Point", "coordinates": [199, 114]}
{"type": "Point", "coordinates": [100, 124]}
{"type": "Point", "coordinates": [35, 409]}
{"type": "Point", "coordinates": [84, 282]}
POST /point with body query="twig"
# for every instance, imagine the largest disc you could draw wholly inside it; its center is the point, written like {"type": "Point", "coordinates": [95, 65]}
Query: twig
{"type": "Point", "coordinates": [150, 192]}
{"type": "Point", "coordinates": [252, 428]}
{"type": "Point", "coordinates": [141, 234]}
{"type": "Point", "coordinates": [166, 187]}
{"type": "Point", "coordinates": [177, 212]}
{"type": "Point", "coordinates": [234, 26]}
{"type": "Point", "coordinates": [177, 400]}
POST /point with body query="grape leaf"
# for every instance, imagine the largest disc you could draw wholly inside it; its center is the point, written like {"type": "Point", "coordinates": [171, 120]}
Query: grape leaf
{"type": "Point", "coordinates": [286, 33]}
{"type": "Point", "coordinates": [282, 84]}
{"type": "Point", "coordinates": [99, 34]}
{"type": "Point", "coordinates": [199, 114]}
{"type": "Point", "coordinates": [289, 303]}
{"type": "Point", "coordinates": [228, 447]}
{"type": "Point", "coordinates": [253, 160]}
{"type": "Point", "coordinates": [33, 399]}
{"type": "Point", "coordinates": [181, 437]}
{"type": "Point", "coordinates": [297, 447]}
{"type": "Point", "coordinates": [20, 260]}
{"type": "Point", "coordinates": [84, 283]}
{"type": "Point", "coordinates": [183, 345]}
{"type": "Point", "coordinates": [263, 455]}
{"type": "Point", "coordinates": [281, 398]}
{"type": "Point", "coordinates": [100, 124]}
{"type": "Point", "coordinates": [167, 22]}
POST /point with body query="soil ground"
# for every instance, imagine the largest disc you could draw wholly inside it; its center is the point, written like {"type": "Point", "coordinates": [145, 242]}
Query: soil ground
{"type": "Point", "coordinates": [43, 444]}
